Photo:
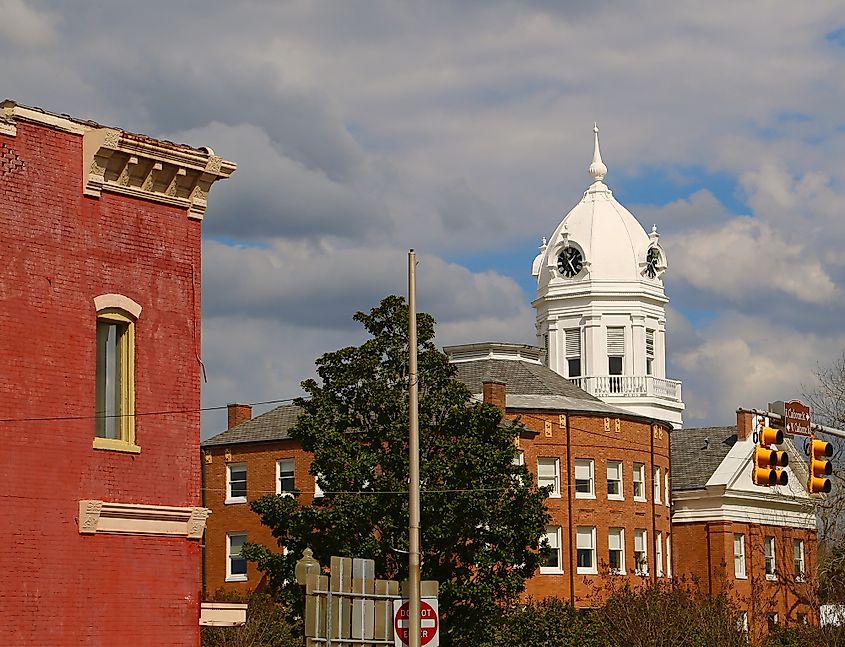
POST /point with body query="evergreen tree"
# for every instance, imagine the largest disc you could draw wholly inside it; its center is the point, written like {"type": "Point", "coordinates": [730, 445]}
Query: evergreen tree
{"type": "Point", "coordinates": [481, 516]}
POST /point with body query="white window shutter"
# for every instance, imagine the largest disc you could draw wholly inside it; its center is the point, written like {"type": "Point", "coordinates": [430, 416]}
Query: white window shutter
{"type": "Point", "coordinates": [616, 342]}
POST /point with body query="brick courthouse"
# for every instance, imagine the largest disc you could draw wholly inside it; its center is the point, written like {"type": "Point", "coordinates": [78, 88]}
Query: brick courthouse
{"type": "Point", "coordinates": [100, 318]}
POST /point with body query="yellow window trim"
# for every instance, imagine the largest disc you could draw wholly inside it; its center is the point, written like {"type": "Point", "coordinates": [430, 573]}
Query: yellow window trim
{"type": "Point", "coordinates": [126, 423]}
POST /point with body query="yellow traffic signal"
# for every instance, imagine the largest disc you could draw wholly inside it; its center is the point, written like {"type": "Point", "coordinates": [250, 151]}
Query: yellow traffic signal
{"type": "Point", "coordinates": [820, 467]}
{"type": "Point", "coordinates": [767, 461]}
{"type": "Point", "coordinates": [769, 436]}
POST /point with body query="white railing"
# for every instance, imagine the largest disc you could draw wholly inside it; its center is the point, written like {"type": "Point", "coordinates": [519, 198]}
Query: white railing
{"type": "Point", "coordinates": [629, 386]}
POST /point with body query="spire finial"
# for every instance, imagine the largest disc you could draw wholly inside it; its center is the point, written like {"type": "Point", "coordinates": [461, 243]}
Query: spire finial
{"type": "Point", "coordinates": [597, 169]}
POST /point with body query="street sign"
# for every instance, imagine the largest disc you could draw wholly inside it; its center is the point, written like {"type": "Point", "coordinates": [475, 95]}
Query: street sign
{"type": "Point", "coordinates": [796, 418]}
{"type": "Point", "coordinates": [429, 623]}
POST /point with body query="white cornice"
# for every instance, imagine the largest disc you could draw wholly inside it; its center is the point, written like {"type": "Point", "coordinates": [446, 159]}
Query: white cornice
{"type": "Point", "coordinates": [138, 519]}
{"type": "Point", "coordinates": [716, 504]}
{"type": "Point", "coordinates": [125, 163]}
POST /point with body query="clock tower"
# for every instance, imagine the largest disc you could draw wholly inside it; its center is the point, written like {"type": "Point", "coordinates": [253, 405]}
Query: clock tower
{"type": "Point", "coordinates": [601, 307]}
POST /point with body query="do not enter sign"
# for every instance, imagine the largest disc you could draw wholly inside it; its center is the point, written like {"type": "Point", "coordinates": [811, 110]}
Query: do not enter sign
{"type": "Point", "coordinates": [429, 623]}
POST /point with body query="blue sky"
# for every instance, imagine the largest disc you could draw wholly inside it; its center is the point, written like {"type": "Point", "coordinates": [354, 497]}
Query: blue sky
{"type": "Point", "coordinates": [464, 130]}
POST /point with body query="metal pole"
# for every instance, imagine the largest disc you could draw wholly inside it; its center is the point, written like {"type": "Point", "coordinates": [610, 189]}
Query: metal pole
{"type": "Point", "coordinates": [414, 470]}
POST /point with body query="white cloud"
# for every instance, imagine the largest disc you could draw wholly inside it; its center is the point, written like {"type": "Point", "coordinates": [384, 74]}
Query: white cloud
{"type": "Point", "coordinates": [746, 256]}
{"type": "Point", "coordinates": [25, 26]}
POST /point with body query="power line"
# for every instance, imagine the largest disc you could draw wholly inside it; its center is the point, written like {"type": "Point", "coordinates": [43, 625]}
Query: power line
{"type": "Point", "coordinates": [143, 413]}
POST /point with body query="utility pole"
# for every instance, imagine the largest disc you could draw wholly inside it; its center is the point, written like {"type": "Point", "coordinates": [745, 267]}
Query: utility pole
{"type": "Point", "coordinates": [414, 468]}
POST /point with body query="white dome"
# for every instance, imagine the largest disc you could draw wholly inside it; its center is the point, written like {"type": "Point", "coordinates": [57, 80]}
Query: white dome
{"type": "Point", "coordinates": [613, 245]}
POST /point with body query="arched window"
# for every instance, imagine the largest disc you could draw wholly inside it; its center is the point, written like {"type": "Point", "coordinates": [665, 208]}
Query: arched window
{"type": "Point", "coordinates": [115, 373]}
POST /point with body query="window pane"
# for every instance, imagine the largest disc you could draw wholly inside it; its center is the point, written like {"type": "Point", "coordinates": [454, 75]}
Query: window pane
{"type": "Point", "coordinates": [108, 380]}
{"type": "Point", "coordinates": [614, 366]}
{"type": "Point", "coordinates": [584, 477]}
{"type": "Point", "coordinates": [286, 475]}
{"type": "Point", "coordinates": [237, 565]}
{"type": "Point", "coordinates": [614, 478]}
{"type": "Point", "coordinates": [552, 560]}
{"type": "Point", "coordinates": [574, 366]}
{"type": "Point", "coordinates": [585, 547]}
{"type": "Point", "coordinates": [237, 481]}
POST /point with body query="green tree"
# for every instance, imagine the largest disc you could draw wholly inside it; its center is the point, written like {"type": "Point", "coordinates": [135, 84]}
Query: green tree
{"type": "Point", "coordinates": [547, 623]}
{"type": "Point", "coordinates": [481, 516]}
{"type": "Point", "coordinates": [268, 624]}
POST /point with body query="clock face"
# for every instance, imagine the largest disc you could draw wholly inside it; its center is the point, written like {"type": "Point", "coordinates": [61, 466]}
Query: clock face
{"type": "Point", "coordinates": [651, 262]}
{"type": "Point", "coordinates": [570, 262]}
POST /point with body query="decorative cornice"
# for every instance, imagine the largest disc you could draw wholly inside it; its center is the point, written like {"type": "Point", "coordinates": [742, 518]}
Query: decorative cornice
{"type": "Point", "coordinates": [129, 164]}
{"type": "Point", "coordinates": [134, 165]}
{"type": "Point", "coordinates": [138, 519]}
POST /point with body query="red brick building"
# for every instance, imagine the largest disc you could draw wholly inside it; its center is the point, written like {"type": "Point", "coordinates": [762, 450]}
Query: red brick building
{"type": "Point", "coordinates": [99, 328]}
{"type": "Point", "coordinates": [757, 543]}
{"type": "Point", "coordinates": [609, 470]}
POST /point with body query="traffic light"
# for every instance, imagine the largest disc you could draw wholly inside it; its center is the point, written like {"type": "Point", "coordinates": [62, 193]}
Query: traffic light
{"type": "Point", "coordinates": [767, 461]}
{"type": "Point", "coordinates": [820, 467]}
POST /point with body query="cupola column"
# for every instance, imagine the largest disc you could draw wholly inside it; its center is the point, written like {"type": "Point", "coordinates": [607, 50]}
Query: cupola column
{"type": "Point", "coordinates": [638, 345]}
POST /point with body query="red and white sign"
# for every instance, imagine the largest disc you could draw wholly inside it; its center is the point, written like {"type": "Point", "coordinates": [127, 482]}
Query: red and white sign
{"type": "Point", "coordinates": [429, 623]}
{"type": "Point", "coordinates": [796, 418]}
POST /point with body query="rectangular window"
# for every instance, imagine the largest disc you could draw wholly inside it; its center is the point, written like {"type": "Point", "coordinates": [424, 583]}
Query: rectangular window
{"type": "Point", "coordinates": [658, 553]}
{"type": "Point", "coordinates": [115, 382]}
{"type": "Point", "coordinates": [666, 498]}
{"type": "Point", "coordinates": [573, 352]}
{"type": "Point", "coordinates": [798, 555]}
{"type": "Point", "coordinates": [318, 491]}
{"type": "Point", "coordinates": [236, 483]}
{"type": "Point", "coordinates": [640, 553]}
{"type": "Point", "coordinates": [657, 485]}
{"type": "Point", "coordinates": [668, 556]}
{"type": "Point", "coordinates": [742, 621]}
{"type": "Point", "coordinates": [552, 563]}
{"type": "Point", "coordinates": [519, 459]}
{"type": "Point", "coordinates": [769, 549]}
{"type": "Point", "coordinates": [616, 550]}
{"type": "Point", "coordinates": [615, 357]}
{"type": "Point", "coordinates": [739, 556]}
{"type": "Point", "coordinates": [548, 474]}
{"type": "Point", "coordinates": [614, 480]}
{"type": "Point", "coordinates": [235, 564]}
{"type": "Point", "coordinates": [639, 482]}
{"type": "Point", "coordinates": [586, 545]}
{"type": "Point", "coordinates": [584, 488]}
{"type": "Point", "coordinates": [773, 620]}
{"type": "Point", "coordinates": [546, 347]}
{"type": "Point", "coordinates": [285, 481]}
{"type": "Point", "coordinates": [649, 352]}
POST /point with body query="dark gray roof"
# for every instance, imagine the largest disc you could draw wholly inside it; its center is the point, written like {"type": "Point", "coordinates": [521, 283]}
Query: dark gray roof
{"type": "Point", "coordinates": [273, 425]}
{"type": "Point", "coordinates": [520, 378]}
{"type": "Point", "coordinates": [697, 453]}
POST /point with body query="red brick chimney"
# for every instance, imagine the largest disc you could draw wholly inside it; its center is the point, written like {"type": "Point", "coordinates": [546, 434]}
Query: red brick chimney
{"type": "Point", "coordinates": [494, 393]}
{"type": "Point", "coordinates": [238, 413]}
{"type": "Point", "coordinates": [744, 424]}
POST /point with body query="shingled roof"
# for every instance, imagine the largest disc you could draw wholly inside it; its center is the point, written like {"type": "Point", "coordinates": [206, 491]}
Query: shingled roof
{"type": "Point", "coordinates": [697, 453]}
{"type": "Point", "coordinates": [273, 425]}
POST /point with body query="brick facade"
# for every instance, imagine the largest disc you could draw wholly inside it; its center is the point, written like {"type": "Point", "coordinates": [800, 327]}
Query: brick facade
{"type": "Point", "coordinates": [60, 250]}
{"type": "Point", "coordinates": [260, 460]}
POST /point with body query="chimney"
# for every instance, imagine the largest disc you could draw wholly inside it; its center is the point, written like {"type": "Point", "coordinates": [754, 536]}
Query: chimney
{"type": "Point", "coordinates": [744, 424]}
{"type": "Point", "coordinates": [238, 413]}
{"type": "Point", "coordinates": [494, 393]}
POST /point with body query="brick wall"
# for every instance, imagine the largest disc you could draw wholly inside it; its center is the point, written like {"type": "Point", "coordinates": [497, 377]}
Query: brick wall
{"type": "Point", "coordinates": [600, 439]}
{"type": "Point", "coordinates": [708, 551]}
{"type": "Point", "coordinates": [59, 251]}
{"type": "Point", "coordinates": [260, 460]}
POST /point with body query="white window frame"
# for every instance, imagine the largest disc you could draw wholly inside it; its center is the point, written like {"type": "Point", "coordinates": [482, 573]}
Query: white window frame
{"type": "Point", "coordinates": [593, 568]}
{"type": "Point", "coordinates": [572, 350]}
{"type": "Point", "coordinates": [237, 577]}
{"type": "Point", "coordinates": [519, 459]}
{"type": "Point", "coordinates": [318, 491]}
{"type": "Point", "coordinates": [799, 557]}
{"type": "Point", "coordinates": [620, 532]}
{"type": "Point", "coordinates": [658, 554]}
{"type": "Point", "coordinates": [649, 352]}
{"type": "Point", "coordinates": [279, 462]}
{"type": "Point", "coordinates": [590, 463]}
{"type": "Point", "coordinates": [620, 481]}
{"type": "Point", "coordinates": [668, 555]}
{"type": "Point", "coordinates": [642, 481]}
{"type": "Point", "coordinates": [667, 500]}
{"type": "Point", "coordinates": [235, 499]}
{"type": "Point", "coordinates": [769, 555]}
{"type": "Point", "coordinates": [656, 479]}
{"type": "Point", "coordinates": [642, 567]}
{"type": "Point", "coordinates": [554, 532]}
{"type": "Point", "coordinates": [739, 557]}
{"type": "Point", "coordinates": [555, 464]}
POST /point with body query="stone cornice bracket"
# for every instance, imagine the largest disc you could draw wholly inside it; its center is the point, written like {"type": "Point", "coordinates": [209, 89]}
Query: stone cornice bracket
{"type": "Point", "coordinates": [139, 519]}
{"type": "Point", "coordinates": [120, 162]}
